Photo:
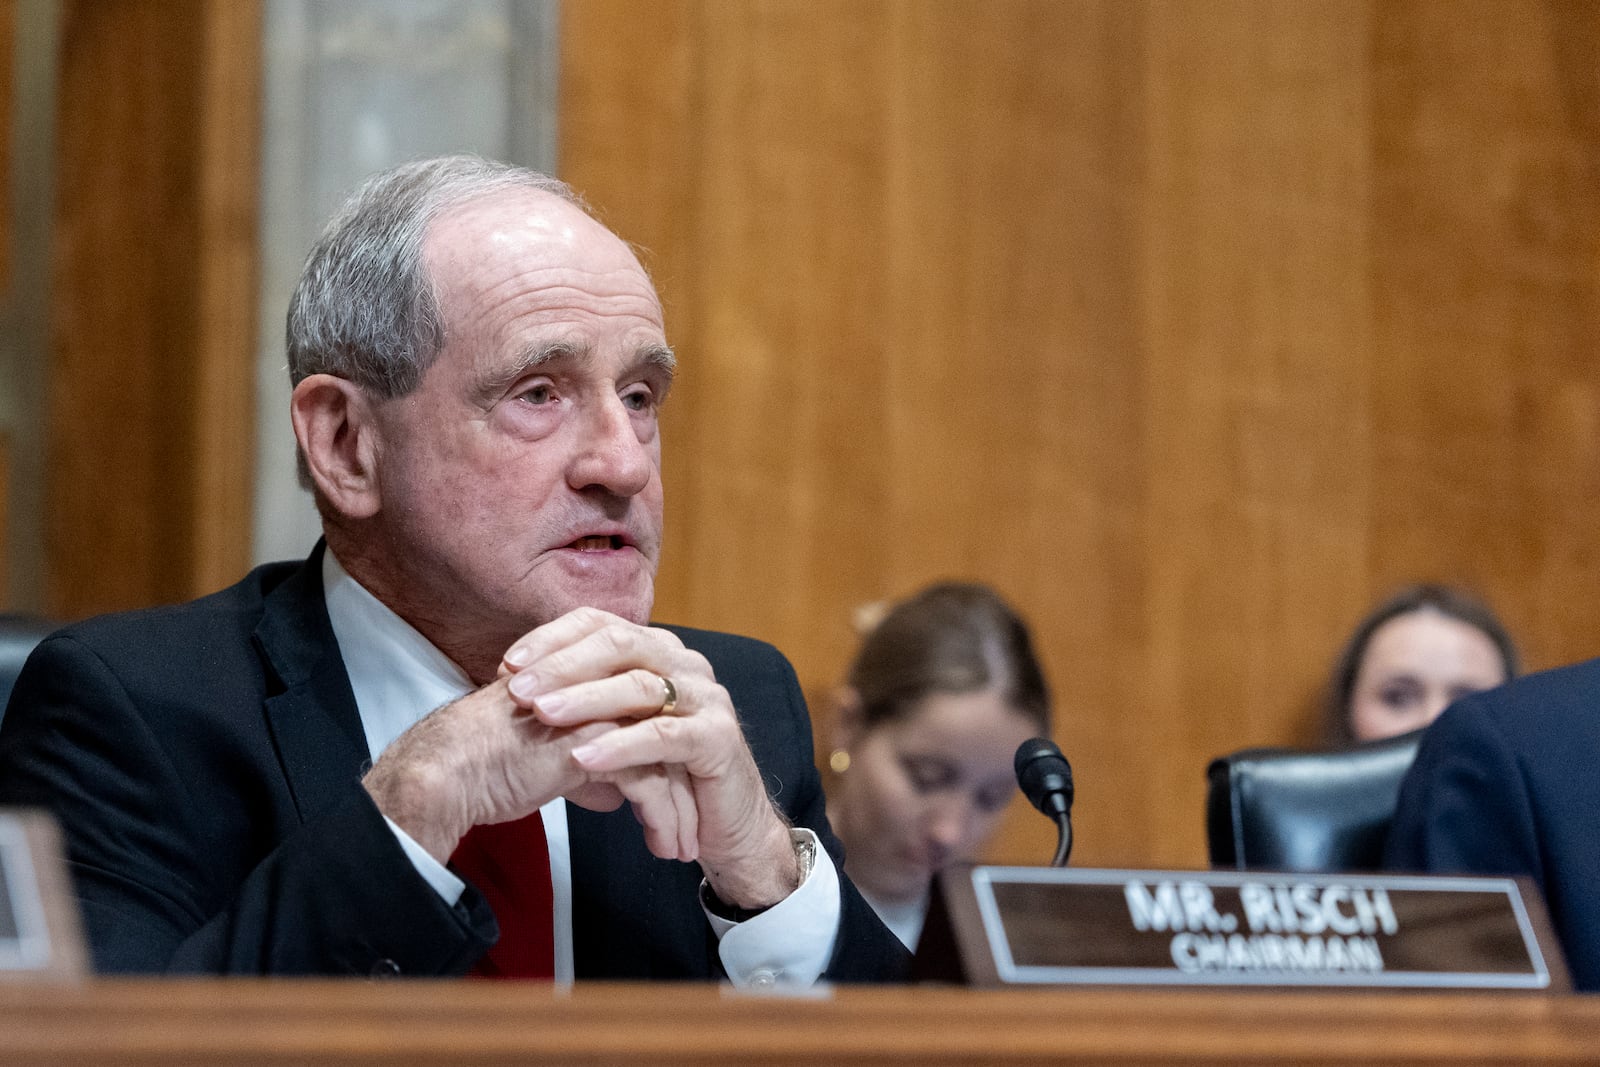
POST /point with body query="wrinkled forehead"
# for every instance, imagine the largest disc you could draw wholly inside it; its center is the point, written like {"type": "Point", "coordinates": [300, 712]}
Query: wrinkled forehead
{"type": "Point", "coordinates": [533, 236]}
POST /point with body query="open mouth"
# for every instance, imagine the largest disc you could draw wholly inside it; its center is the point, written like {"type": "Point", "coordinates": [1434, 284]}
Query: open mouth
{"type": "Point", "coordinates": [598, 543]}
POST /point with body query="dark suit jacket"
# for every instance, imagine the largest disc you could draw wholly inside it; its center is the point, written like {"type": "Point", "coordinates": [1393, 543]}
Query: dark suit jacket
{"type": "Point", "coordinates": [1508, 782]}
{"type": "Point", "coordinates": [204, 762]}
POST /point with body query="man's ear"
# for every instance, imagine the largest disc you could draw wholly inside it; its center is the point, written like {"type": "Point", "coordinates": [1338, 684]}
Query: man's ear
{"type": "Point", "coordinates": [334, 425]}
{"type": "Point", "coordinates": [846, 717]}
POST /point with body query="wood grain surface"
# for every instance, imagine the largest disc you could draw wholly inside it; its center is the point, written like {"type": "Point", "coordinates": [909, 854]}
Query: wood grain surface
{"type": "Point", "coordinates": [149, 424]}
{"type": "Point", "coordinates": [247, 1023]}
{"type": "Point", "coordinates": [8, 96]}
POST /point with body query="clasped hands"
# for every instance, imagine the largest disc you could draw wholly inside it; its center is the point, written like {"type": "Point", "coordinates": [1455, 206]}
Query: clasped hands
{"type": "Point", "coordinates": [579, 710]}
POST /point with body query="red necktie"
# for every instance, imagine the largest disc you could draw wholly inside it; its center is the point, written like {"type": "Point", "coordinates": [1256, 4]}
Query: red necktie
{"type": "Point", "coordinates": [509, 863]}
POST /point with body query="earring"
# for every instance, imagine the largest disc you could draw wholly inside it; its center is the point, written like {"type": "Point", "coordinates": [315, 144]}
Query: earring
{"type": "Point", "coordinates": [839, 761]}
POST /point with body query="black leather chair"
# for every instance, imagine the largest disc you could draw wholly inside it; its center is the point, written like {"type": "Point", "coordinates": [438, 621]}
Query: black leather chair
{"type": "Point", "coordinates": [1291, 810]}
{"type": "Point", "coordinates": [18, 635]}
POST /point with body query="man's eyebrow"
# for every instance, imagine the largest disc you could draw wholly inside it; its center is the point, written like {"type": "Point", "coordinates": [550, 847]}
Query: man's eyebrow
{"type": "Point", "coordinates": [547, 352]}
{"type": "Point", "coordinates": [492, 385]}
{"type": "Point", "coordinates": [658, 356]}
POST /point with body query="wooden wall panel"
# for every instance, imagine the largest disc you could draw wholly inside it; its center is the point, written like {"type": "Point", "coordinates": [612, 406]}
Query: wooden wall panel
{"type": "Point", "coordinates": [8, 96]}
{"type": "Point", "coordinates": [8, 72]}
{"type": "Point", "coordinates": [1017, 437]}
{"type": "Point", "coordinates": [225, 264]}
{"type": "Point", "coordinates": [1256, 357]}
{"type": "Point", "coordinates": [1193, 327]}
{"type": "Point", "coordinates": [152, 318]}
{"type": "Point", "coordinates": [1487, 413]}
{"type": "Point", "coordinates": [777, 315]}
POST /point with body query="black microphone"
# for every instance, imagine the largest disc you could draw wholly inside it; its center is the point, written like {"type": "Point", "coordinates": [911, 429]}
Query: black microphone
{"type": "Point", "coordinates": [1045, 778]}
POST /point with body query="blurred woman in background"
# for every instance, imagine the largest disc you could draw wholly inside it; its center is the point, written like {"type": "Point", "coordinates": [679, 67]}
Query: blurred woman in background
{"type": "Point", "coordinates": [1411, 657]}
{"type": "Point", "coordinates": [942, 692]}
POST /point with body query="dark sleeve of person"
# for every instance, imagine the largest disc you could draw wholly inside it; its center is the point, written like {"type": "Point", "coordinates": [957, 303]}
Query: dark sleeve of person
{"type": "Point", "coordinates": [1505, 784]}
{"type": "Point", "coordinates": [189, 854]}
{"type": "Point", "coordinates": [865, 950]}
{"type": "Point", "coordinates": [1464, 806]}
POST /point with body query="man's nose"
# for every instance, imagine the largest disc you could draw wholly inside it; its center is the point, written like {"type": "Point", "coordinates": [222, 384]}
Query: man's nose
{"type": "Point", "coordinates": [609, 453]}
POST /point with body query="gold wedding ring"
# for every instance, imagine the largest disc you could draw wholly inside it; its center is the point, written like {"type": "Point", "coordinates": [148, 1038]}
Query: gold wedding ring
{"type": "Point", "coordinates": [669, 699]}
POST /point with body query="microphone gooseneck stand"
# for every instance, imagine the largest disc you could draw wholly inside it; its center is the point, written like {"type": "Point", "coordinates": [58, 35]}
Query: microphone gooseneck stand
{"type": "Point", "coordinates": [1063, 840]}
{"type": "Point", "coordinates": [1045, 778]}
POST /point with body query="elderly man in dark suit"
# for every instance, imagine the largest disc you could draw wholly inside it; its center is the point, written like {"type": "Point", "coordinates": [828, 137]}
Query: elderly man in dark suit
{"type": "Point", "coordinates": [448, 740]}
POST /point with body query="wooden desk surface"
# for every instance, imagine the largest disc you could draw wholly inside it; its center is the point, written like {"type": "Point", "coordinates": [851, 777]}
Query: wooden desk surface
{"type": "Point", "coordinates": [251, 1022]}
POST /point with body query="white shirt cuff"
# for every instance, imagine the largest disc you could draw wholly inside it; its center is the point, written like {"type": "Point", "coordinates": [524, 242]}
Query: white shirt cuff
{"type": "Point", "coordinates": [436, 874]}
{"type": "Point", "coordinates": [792, 941]}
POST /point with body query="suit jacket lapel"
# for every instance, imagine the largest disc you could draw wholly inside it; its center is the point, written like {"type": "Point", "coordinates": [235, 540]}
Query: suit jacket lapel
{"type": "Point", "coordinates": [311, 711]}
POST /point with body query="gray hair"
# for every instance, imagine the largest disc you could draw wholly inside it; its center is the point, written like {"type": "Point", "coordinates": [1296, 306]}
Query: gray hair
{"type": "Point", "coordinates": [365, 308]}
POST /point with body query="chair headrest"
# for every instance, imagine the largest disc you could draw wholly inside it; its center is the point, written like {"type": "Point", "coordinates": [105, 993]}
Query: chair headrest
{"type": "Point", "coordinates": [1297, 810]}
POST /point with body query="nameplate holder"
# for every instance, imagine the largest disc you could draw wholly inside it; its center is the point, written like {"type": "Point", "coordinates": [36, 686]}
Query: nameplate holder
{"type": "Point", "coordinates": [1003, 926]}
{"type": "Point", "coordinates": [40, 935]}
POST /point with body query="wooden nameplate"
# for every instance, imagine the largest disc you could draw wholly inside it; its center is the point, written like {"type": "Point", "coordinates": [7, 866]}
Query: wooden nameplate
{"type": "Point", "coordinates": [1046, 926]}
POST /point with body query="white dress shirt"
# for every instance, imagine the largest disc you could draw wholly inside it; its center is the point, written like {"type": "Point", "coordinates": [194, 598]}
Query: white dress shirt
{"type": "Point", "coordinates": [398, 677]}
{"type": "Point", "coordinates": [904, 919]}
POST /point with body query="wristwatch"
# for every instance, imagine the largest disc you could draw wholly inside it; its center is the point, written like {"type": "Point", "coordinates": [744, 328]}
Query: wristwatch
{"type": "Point", "coordinates": [805, 855]}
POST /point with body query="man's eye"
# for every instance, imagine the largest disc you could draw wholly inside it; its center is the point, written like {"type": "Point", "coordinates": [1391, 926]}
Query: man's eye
{"type": "Point", "coordinates": [538, 394]}
{"type": "Point", "coordinates": [638, 400]}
